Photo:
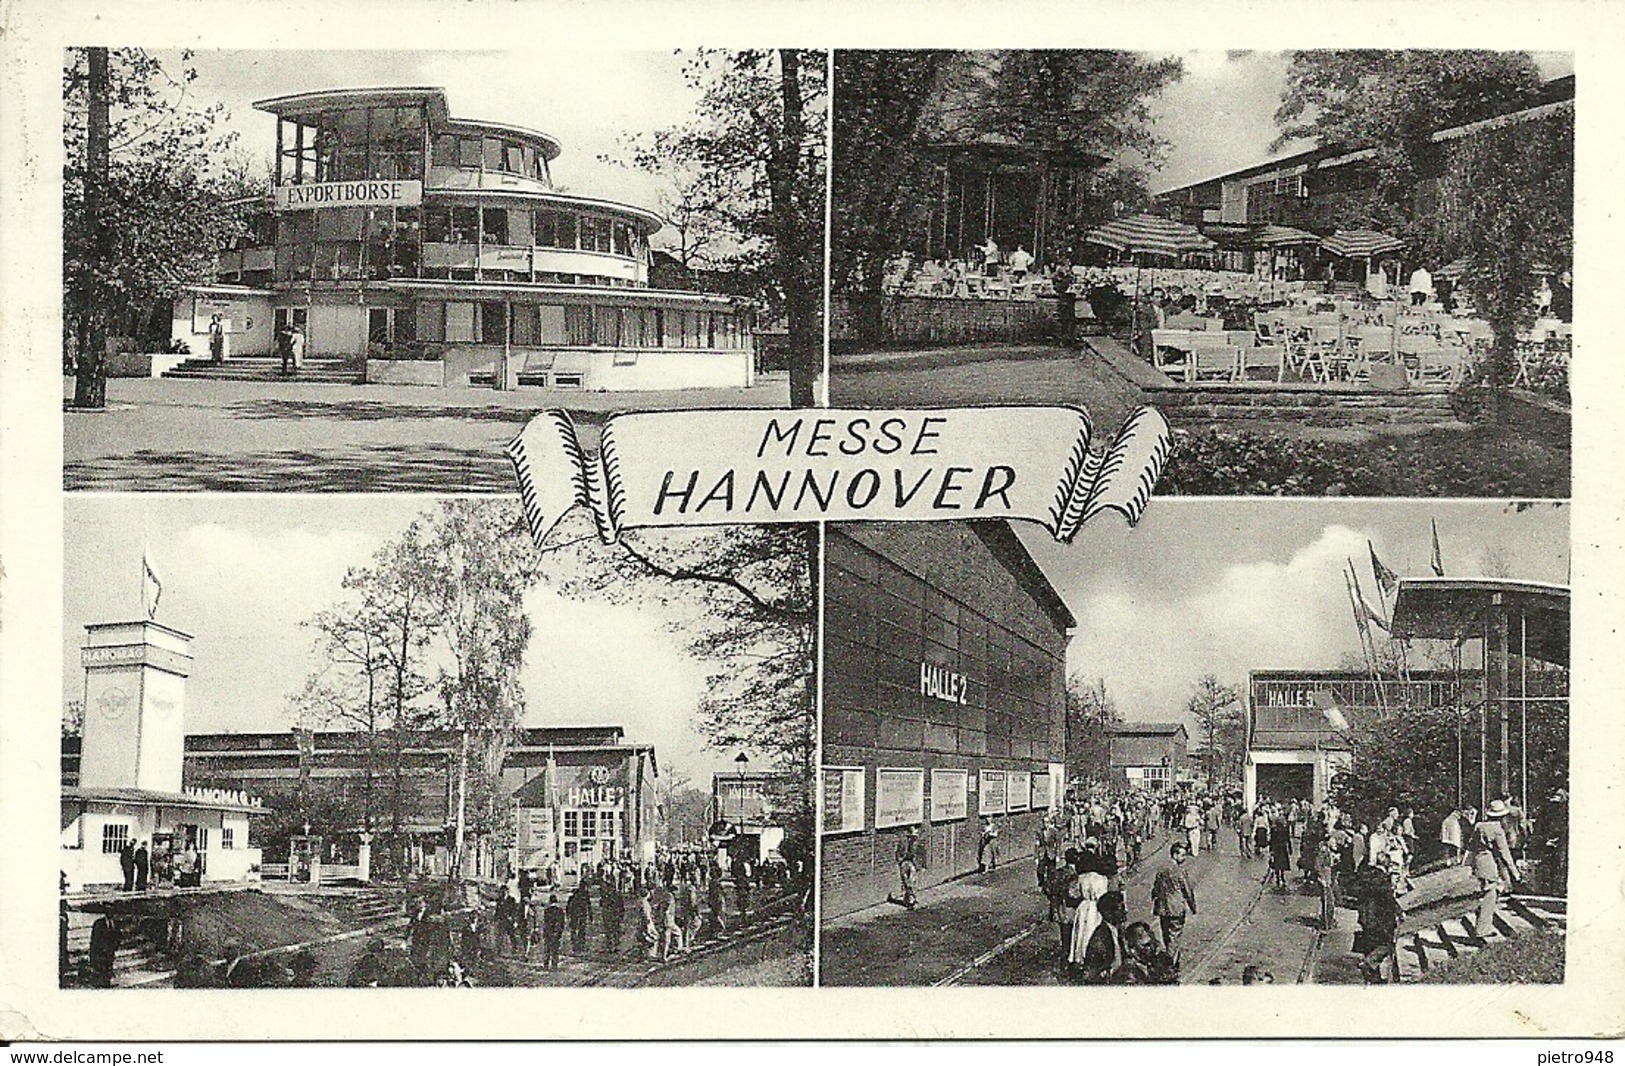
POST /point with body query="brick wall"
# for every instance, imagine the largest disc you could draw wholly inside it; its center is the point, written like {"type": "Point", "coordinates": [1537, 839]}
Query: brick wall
{"type": "Point", "coordinates": [899, 595]}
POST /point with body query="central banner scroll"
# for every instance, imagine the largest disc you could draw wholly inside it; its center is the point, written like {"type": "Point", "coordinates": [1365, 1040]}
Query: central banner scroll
{"type": "Point", "coordinates": [708, 468]}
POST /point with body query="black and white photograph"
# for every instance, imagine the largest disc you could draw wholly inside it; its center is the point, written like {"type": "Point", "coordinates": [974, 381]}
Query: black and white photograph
{"type": "Point", "coordinates": [364, 271]}
{"type": "Point", "coordinates": [387, 742]}
{"type": "Point", "coordinates": [701, 547]}
{"type": "Point", "coordinates": [1335, 272]}
{"type": "Point", "coordinates": [1245, 743]}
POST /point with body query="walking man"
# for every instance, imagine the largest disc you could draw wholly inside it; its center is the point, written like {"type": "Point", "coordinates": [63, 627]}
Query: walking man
{"type": "Point", "coordinates": [143, 866]}
{"type": "Point", "coordinates": [552, 931]}
{"type": "Point", "coordinates": [578, 910]}
{"type": "Point", "coordinates": [1493, 864]}
{"type": "Point", "coordinates": [987, 849]}
{"type": "Point", "coordinates": [908, 854]}
{"type": "Point", "coordinates": [1172, 898]}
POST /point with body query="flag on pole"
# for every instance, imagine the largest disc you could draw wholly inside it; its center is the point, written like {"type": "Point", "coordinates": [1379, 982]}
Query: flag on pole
{"type": "Point", "coordinates": [1438, 560]}
{"type": "Point", "coordinates": [1374, 616]}
{"type": "Point", "coordinates": [152, 586]}
{"type": "Point", "coordinates": [1387, 580]}
{"type": "Point", "coordinates": [1331, 711]}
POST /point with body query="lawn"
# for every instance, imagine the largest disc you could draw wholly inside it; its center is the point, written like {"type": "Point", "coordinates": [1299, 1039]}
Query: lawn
{"type": "Point", "coordinates": [1481, 461]}
{"type": "Point", "coordinates": [1531, 959]}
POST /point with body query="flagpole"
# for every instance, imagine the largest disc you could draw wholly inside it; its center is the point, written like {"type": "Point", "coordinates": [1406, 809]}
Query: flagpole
{"type": "Point", "coordinates": [1367, 647]}
{"type": "Point", "coordinates": [1365, 626]}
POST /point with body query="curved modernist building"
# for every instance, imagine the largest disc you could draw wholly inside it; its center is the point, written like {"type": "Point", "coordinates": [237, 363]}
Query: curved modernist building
{"type": "Point", "coordinates": [439, 249]}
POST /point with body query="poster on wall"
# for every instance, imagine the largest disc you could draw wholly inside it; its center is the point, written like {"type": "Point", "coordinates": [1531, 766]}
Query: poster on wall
{"type": "Point", "coordinates": [842, 797]}
{"type": "Point", "coordinates": [950, 795]}
{"type": "Point", "coordinates": [899, 798]}
{"type": "Point", "coordinates": [233, 312]}
{"type": "Point", "coordinates": [1041, 792]}
{"type": "Point", "coordinates": [1057, 790]}
{"type": "Point", "coordinates": [1018, 791]}
{"type": "Point", "coordinates": [994, 791]}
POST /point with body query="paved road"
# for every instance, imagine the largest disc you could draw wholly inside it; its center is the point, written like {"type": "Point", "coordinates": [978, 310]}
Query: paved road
{"type": "Point", "coordinates": [187, 436]}
{"type": "Point", "coordinates": [990, 929]}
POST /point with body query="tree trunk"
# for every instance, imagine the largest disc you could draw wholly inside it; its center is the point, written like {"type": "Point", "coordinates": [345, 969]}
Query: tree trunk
{"type": "Point", "coordinates": [803, 293]}
{"type": "Point", "coordinates": [90, 383]}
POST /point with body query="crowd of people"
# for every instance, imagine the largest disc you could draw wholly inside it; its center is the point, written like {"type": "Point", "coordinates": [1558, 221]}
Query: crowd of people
{"type": "Point", "coordinates": [665, 908]}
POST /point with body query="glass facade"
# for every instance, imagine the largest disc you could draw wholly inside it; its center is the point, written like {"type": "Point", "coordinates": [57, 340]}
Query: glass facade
{"type": "Point", "coordinates": [352, 144]}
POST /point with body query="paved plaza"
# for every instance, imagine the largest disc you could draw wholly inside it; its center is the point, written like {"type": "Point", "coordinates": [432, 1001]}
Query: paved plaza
{"type": "Point", "coordinates": [247, 436]}
{"type": "Point", "coordinates": [990, 929]}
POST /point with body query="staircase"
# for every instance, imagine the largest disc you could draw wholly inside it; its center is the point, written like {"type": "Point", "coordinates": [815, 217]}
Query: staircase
{"type": "Point", "coordinates": [138, 962]}
{"type": "Point", "coordinates": [268, 368]}
{"type": "Point", "coordinates": [1425, 949]}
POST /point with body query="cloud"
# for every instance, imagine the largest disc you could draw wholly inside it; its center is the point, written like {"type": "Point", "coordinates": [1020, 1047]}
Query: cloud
{"type": "Point", "coordinates": [1253, 615]}
{"type": "Point", "coordinates": [595, 663]}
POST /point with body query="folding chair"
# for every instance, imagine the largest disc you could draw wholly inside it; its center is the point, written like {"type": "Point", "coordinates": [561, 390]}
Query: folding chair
{"type": "Point", "coordinates": [1212, 358]}
{"type": "Point", "coordinates": [1167, 341]}
{"type": "Point", "coordinates": [1263, 328]}
{"type": "Point", "coordinates": [1270, 358]}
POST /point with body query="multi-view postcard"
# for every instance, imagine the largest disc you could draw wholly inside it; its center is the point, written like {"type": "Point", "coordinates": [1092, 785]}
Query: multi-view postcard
{"type": "Point", "coordinates": [540, 528]}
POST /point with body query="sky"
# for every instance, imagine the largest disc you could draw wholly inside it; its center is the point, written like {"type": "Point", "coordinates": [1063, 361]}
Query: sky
{"type": "Point", "coordinates": [1221, 115]}
{"type": "Point", "coordinates": [241, 572]}
{"type": "Point", "coordinates": [586, 99]}
{"type": "Point", "coordinates": [1227, 586]}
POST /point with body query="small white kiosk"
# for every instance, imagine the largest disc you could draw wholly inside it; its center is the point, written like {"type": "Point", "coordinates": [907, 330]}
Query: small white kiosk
{"type": "Point", "coordinates": [129, 789]}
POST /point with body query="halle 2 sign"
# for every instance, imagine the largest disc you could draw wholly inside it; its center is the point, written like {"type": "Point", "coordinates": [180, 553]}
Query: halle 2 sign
{"type": "Point", "coordinates": [941, 683]}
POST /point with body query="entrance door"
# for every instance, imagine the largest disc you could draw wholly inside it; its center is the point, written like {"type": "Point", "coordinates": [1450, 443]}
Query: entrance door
{"type": "Point", "coordinates": [380, 326]}
{"type": "Point", "coordinates": [1284, 782]}
{"type": "Point", "coordinates": [295, 316]}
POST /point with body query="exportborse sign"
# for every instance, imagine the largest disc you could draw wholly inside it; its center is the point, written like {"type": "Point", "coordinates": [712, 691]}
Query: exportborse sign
{"type": "Point", "coordinates": [349, 194]}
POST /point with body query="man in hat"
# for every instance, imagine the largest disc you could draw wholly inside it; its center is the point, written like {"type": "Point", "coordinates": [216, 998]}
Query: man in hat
{"type": "Point", "coordinates": [908, 857]}
{"type": "Point", "coordinates": [1493, 863]}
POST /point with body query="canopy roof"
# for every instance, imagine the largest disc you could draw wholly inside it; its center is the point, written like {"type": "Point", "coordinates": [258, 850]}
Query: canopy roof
{"type": "Point", "coordinates": [1272, 236]}
{"type": "Point", "coordinates": [1151, 235]}
{"type": "Point", "coordinates": [1449, 608]}
{"type": "Point", "coordinates": [1361, 243]}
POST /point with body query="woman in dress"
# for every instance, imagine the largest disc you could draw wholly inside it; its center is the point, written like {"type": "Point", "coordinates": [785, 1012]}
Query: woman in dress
{"type": "Point", "coordinates": [1261, 830]}
{"type": "Point", "coordinates": [1091, 883]}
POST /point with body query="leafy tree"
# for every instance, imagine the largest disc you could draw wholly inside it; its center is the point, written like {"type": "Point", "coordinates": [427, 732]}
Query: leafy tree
{"type": "Point", "coordinates": [882, 183]}
{"type": "Point", "coordinates": [372, 647]}
{"type": "Point", "coordinates": [1392, 102]}
{"type": "Point", "coordinates": [750, 168]}
{"type": "Point", "coordinates": [164, 202]}
{"type": "Point", "coordinates": [1506, 205]}
{"type": "Point", "coordinates": [1090, 714]}
{"type": "Point", "coordinates": [73, 719]}
{"type": "Point", "coordinates": [1216, 708]}
{"type": "Point", "coordinates": [892, 105]}
{"type": "Point", "coordinates": [746, 603]}
{"type": "Point", "coordinates": [475, 565]}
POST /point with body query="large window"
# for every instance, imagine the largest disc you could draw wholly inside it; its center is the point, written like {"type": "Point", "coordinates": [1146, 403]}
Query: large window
{"type": "Point", "coordinates": [114, 836]}
{"type": "Point", "coordinates": [578, 326]}
{"type": "Point", "coordinates": [494, 225]}
{"type": "Point", "coordinates": [493, 322]}
{"type": "Point", "coordinates": [459, 323]}
{"type": "Point", "coordinates": [555, 229]}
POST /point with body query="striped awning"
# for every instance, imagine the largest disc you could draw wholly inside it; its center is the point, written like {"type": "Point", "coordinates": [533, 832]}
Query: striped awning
{"type": "Point", "coordinates": [1150, 235]}
{"type": "Point", "coordinates": [1361, 243]}
{"type": "Point", "coordinates": [1273, 236]}
{"type": "Point", "coordinates": [1453, 270]}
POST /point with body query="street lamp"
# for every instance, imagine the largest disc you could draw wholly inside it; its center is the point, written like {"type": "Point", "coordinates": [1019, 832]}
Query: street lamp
{"type": "Point", "coordinates": [743, 762]}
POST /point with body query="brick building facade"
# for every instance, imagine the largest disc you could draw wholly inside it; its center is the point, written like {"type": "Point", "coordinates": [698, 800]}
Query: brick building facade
{"type": "Point", "coordinates": [944, 700]}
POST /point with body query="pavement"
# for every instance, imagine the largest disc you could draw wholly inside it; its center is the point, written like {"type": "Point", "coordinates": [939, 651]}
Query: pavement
{"type": "Point", "coordinates": [160, 434]}
{"type": "Point", "coordinates": [990, 929]}
{"type": "Point", "coordinates": [985, 374]}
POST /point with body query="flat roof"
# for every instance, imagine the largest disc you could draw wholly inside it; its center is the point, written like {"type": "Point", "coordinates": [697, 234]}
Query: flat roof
{"type": "Point", "coordinates": [1453, 608]}
{"type": "Point", "coordinates": [1146, 728]}
{"type": "Point", "coordinates": [295, 104]}
{"type": "Point", "coordinates": [157, 799]}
